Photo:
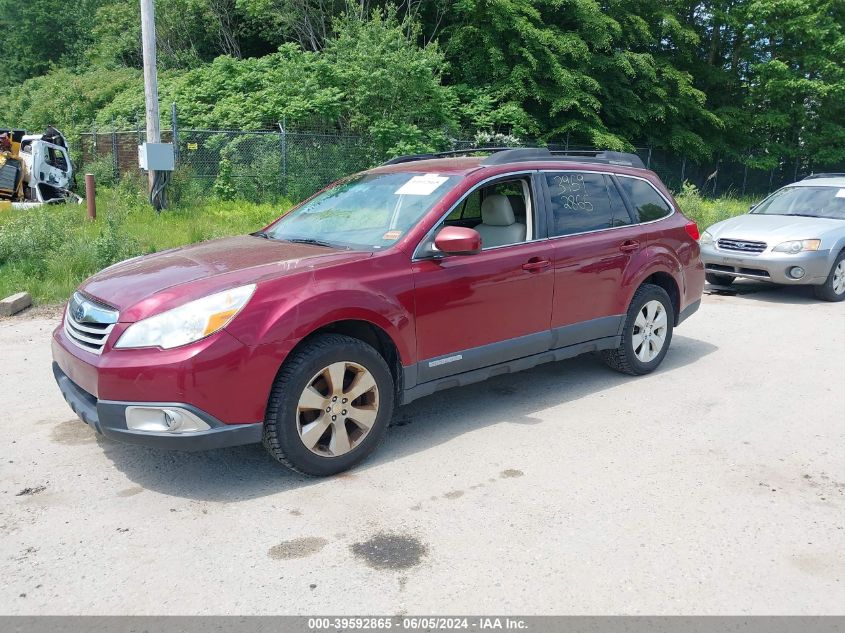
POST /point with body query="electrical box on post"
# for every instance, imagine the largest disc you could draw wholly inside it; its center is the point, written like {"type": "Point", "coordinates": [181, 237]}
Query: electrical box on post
{"type": "Point", "coordinates": [156, 157]}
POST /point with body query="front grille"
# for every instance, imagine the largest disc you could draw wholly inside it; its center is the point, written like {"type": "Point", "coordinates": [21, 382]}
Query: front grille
{"type": "Point", "coordinates": [757, 273]}
{"type": "Point", "coordinates": [88, 324]}
{"type": "Point", "coordinates": [742, 246]}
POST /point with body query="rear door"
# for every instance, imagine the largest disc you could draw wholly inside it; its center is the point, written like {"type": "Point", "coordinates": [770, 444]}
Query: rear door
{"type": "Point", "coordinates": [474, 311]}
{"type": "Point", "coordinates": [594, 239]}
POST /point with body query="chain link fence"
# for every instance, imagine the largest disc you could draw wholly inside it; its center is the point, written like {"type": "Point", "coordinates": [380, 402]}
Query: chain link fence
{"type": "Point", "coordinates": [267, 165]}
{"type": "Point", "coordinates": [255, 165]}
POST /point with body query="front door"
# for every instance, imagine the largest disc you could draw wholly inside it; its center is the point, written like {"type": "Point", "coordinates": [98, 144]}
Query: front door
{"type": "Point", "coordinates": [474, 311]}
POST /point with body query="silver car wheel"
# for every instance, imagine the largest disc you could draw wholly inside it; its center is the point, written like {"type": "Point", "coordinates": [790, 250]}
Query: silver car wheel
{"type": "Point", "coordinates": [337, 409]}
{"type": "Point", "coordinates": [839, 278]}
{"type": "Point", "coordinates": [649, 331]}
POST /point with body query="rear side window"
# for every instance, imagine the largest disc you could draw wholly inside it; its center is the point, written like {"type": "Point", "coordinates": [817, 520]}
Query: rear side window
{"type": "Point", "coordinates": [648, 204]}
{"type": "Point", "coordinates": [583, 202]}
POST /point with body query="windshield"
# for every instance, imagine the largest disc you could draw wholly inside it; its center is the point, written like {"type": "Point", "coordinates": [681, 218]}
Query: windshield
{"type": "Point", "coordinates": [370, 211]}
{"type": "Point", "coordinates": [814, 202]}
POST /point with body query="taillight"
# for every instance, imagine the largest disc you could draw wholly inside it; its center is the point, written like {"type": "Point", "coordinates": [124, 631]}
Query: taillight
{"type": "Point", "coordinates": [692, 230]}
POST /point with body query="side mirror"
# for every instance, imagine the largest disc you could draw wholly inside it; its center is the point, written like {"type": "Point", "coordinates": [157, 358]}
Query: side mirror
{"type": "Point", "coordinates": [751, 208]}
{"type": "Point", "coordinates": [458, 240]}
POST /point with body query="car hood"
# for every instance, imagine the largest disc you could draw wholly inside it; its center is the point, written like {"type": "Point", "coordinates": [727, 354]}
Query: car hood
{"type": "Point", "coordinates": [774, 229]}
{"type": "Point", "coordinates": [152, 283]}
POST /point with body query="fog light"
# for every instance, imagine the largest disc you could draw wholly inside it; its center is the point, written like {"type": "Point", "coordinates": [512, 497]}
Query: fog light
{"type": "Point", "coordinates": [796, 272]}
{"type": "Point", "coordinates": [163, 420]}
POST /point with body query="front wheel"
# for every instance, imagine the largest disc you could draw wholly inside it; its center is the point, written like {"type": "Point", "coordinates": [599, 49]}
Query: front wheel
{"type": "Point", "coordinates": [833, 289]}
{"type": "Point", "coordinates": [646, 335]}
{"type": "Point", "coordinates": [719, 280]}
{"type": "Point", "coordinates": [330, 406]}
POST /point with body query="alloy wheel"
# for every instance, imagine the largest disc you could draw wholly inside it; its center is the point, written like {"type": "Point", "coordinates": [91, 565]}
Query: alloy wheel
{"type": "Point", "coordinates": [649, 332]}
{"type": "Point", "coordinates": [337, 409]}
{"type": "Point", "coordinates": [839, 278]}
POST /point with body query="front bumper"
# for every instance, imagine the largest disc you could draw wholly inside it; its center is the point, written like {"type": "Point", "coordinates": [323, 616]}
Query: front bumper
{"type": "Point", "coordinates": [767, 266]}
{"type": "Point", "coordinates": [109, 419]}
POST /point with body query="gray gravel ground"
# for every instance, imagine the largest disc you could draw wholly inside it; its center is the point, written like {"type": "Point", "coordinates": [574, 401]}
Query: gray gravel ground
{"type": "Point", "coordinates": [714, 486]}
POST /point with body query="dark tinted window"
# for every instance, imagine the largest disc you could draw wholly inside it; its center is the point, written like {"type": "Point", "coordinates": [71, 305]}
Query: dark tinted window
{"type": "Point", "coordinates": [648, 204]}
{"type": "Point", "coordinates": [582, 202]}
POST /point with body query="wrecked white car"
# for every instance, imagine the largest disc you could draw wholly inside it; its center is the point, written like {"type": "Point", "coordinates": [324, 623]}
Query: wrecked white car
{"type": "Point", "coordinates": [35, 169]}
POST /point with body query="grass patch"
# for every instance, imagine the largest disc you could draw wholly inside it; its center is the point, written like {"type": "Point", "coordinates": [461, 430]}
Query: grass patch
{"type": "Point", "coordinates": [50, 250]}
{"type": "Point", "coordinates": [705, 211]}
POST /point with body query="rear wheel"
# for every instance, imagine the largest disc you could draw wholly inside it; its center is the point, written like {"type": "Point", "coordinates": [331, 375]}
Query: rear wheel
{"type": "Point", "coordinates": [833, 289]}
{"type": "Point", "coordinates": [719, 280]}
{"type": "Point", "coordinates": [330, 406]}
{"type": "Point", "coordinates": [646, 335]}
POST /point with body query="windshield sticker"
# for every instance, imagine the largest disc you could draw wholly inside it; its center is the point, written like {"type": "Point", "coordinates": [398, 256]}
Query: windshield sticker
{"type": "Point", "coordinates": [421, 185]}
{"type": "Point", "coordinates": [392, 235]}
{"type": "Point", "coordinates": [840, 193]}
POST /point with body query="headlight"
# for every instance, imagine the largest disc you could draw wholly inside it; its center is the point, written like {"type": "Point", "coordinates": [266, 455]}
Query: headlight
{"type": "Point", "coordinates": [796, 246]}
{"type": "Point", "coordinates": [187, 323]}
{"type": "Point", "coordinates": [706, 238]}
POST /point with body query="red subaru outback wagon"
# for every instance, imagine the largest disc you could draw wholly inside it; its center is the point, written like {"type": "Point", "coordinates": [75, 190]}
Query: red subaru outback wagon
{"type": "Point", "coordinates": [425, 273]}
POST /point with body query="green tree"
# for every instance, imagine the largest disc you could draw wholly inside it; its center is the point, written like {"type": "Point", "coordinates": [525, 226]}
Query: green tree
{"type": "Point", "coordinates": [39, 34]}
{"type": "Point", "coordinates": [598, 74]}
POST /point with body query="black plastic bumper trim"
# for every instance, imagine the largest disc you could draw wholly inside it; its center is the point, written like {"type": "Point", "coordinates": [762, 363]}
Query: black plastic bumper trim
{"type": "Point", "coordinates": [688, 311]}
{"type": "Point", "coordinates": [108, 418]}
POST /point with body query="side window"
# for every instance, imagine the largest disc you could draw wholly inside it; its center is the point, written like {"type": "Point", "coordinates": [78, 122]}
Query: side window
{"type": "Point", "coordinates": [621, 217]}
{"type": "Point", "coordinates": [583, 202]}
{"type": "Point", "coordinates": [56, 158]}
{"type": "Point", "coordinates": [648, 204]}
{"type": "Point", "coordinates": [501, 212]}
{"type": "Point", "coordinates": [469, 209]}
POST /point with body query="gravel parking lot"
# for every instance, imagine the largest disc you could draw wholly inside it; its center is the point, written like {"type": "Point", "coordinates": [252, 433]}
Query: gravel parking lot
{"type": "Point", "coordinates": [714, 486]}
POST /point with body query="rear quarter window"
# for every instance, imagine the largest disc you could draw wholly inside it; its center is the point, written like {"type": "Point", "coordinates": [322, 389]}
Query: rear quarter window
{"type": "Point", "coordinates": [648, 204]}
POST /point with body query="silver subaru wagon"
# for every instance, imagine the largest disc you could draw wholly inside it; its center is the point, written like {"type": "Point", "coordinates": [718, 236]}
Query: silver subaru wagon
{"type": "Point", "coordinates": [795, 236]}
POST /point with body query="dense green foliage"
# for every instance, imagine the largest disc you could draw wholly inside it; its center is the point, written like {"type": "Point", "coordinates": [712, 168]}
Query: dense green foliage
{"type": "Point", "coordinates": [761, 81]}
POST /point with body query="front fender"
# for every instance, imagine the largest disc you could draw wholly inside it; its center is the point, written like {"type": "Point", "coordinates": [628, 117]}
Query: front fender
{"type": "Point", "coordinates": [283, 313]}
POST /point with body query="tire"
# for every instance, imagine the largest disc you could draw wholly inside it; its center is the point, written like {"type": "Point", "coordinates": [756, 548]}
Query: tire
{"type": "Point", "coordinates": [719, 280]}
{"type": "Point", "coordinates": [296, 415]}
{"type": "Point", "coordinates": [833, 289]}
{"type": "Point", "coordinates": [636, 360]}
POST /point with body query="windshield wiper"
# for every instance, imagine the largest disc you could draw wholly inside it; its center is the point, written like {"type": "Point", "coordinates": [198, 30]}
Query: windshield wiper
{"type": "Point", "coordinates": [803, 215]}
{"type": "Point", "coordinates": [309, 240]}
{"type": "Point", "coordinates": [263, 234]}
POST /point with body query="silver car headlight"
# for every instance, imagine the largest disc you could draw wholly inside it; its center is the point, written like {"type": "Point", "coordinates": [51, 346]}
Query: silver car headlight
{"type": "Point", "coordinates": [706, 238]}
{"type": "Point", "coordinates": [797, 246]}
{"type": "Point", "coordinates": [188, 323]}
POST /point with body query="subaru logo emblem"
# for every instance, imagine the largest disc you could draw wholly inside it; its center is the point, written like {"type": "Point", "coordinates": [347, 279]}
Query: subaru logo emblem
{"type": "Point", "coordinates": [80, 312]}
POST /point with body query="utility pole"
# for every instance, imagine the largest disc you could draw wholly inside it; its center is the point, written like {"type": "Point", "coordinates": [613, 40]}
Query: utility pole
{"type": "Point", "coordinates": [148, 44]}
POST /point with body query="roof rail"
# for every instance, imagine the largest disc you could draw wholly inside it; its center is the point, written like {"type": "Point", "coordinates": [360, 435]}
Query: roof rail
{"type": "Point", "coordinates": [455, 152]}
{"type": "Point", "coordinates": [581, 156]}
{"type": "Point", "coordinates": [823, 175]}
{"type": "Point", "coordinates": [504, 155]}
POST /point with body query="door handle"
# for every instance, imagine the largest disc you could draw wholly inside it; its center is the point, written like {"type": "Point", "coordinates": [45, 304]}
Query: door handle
{"type": "Point", "coordinates": [536, 264]}
{"type": "Point", "coordinates": [629, 245]}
